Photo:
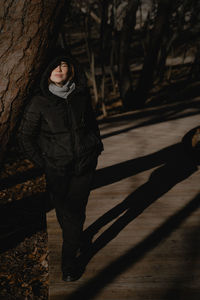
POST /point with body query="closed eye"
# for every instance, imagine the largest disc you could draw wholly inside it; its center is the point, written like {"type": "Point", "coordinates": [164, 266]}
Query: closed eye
{"type": "Point", "coordinates": [63, 64]}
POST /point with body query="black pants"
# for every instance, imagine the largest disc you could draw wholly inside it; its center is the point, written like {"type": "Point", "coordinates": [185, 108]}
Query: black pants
{"type": "Point", "coordinates": [69, 194]}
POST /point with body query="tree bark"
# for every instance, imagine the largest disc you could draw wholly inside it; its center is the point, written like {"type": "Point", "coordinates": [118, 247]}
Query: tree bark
{"type": "Point", "coordinates": [125, 81]}
{"type": "Point", "coordinates": [28, 30]}
{"type": "Point", "coordinates": [151, 59]}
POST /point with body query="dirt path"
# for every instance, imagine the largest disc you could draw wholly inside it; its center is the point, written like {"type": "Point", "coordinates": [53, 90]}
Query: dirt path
{"type": "Point", "coordinates": [143, 213]}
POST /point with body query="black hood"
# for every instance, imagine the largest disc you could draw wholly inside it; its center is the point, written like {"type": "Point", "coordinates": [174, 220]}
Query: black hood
{"type": "Point", "coordinates": [79, 75]}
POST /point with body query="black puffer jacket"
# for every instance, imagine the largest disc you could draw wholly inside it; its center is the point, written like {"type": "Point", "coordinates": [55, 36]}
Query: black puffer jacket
{"type": "Point", "coordinates": [58, 133]}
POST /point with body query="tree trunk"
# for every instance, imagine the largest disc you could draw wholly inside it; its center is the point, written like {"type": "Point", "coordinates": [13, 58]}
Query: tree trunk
{"type": "Point", "coordinates": [103, 40]}
{"type": "Point", "coordinates": [150, 61]}
{"type": "Point", "coordinates": [125, 81]}
{"type": "Point", "coordinates": [28, 29]}
{"type": "Point", "coordinates": [91, 58]}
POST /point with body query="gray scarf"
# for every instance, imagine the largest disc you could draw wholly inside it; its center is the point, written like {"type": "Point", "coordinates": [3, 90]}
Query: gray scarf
{"type": "Point", "coordinates": [62, 91]}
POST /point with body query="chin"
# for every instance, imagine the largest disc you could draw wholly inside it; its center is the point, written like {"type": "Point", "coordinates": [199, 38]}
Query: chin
{"type": "Point", "coordinates": [57, 81]}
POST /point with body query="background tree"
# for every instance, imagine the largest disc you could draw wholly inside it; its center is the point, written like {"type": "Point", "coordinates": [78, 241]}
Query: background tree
{"type": "Point", "coordinates": [126, 33]}
{"type": "Point", "coordinates": [146, 46]}
{"type": "Point", "coordinates": [105, 35]}
{"type": "Point", "coordinates": [151, 59]}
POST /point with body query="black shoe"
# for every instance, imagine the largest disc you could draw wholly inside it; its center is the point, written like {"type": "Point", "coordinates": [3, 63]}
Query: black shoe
{"type": "Point", "coordinates": [68, 277]}
{"type": "Point", "coordinates": [72, 273]}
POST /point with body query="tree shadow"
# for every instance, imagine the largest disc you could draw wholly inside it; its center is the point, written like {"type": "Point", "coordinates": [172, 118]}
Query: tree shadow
{"type": "Point", "coordinates": [158, 115]}
{"type": "Point", "coordinates": [177, 168]}
{"type": "Point", "coordinates": [117, 172]}
{"type": "Point", "coordinates": [185, 89]}
{"type": "Point", "coordinates": [152, 111]}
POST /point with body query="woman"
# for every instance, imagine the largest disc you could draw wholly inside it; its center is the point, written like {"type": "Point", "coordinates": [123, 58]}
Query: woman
{"type": "Point", "coordinates": [59, 133]}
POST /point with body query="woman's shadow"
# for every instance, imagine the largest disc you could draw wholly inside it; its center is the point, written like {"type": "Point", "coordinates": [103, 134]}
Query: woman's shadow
{"type": "Point", "coordinates": [177, 165]}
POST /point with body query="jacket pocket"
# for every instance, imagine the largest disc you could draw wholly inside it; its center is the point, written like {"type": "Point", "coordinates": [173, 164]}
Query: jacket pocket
{"type": "Point", "coordinates": [85, 163]}
{"type": "Point", "coordinates": [86, 142]}
{"type": "Point", "coordinates": [86, 150]}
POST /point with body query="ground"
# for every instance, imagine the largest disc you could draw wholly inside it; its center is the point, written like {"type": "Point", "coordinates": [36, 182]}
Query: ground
{"type": "Point", "coordinates": [142, 216]}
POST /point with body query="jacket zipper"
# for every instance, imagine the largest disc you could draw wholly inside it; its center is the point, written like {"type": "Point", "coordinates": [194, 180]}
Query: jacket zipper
{"type": "Point", "coordinates": [71, 129]}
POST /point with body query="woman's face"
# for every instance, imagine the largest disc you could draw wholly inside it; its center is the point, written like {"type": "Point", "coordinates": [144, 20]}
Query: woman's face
{"type": "Point", "coordinates": [59, 74]}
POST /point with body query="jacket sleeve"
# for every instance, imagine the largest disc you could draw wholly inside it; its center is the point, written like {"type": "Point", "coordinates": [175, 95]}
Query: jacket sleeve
{"type": "Point", "coordinates": [92, 122]}
{"type": "Point", "coordinates": [28, 133]}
